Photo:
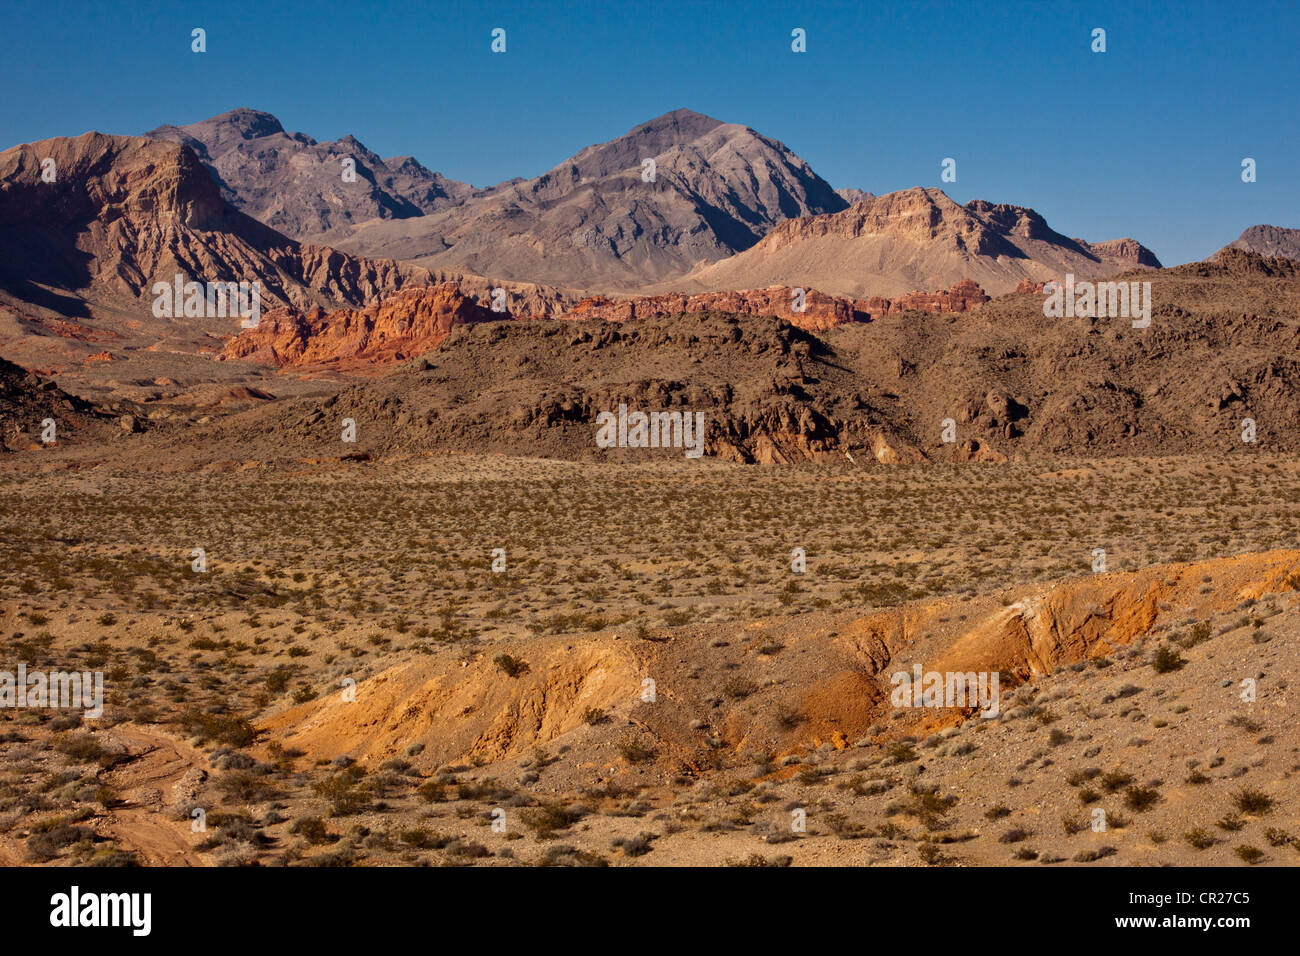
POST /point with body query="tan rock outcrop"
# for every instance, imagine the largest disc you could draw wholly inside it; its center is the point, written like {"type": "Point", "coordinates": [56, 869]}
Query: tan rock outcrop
{"type": "Point", "coordinates": [891, 244]}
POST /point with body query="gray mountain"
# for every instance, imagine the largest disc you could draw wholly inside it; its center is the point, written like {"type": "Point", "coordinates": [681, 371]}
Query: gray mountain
{"type": "Point", "coordinates": [853, 195]}
{"type": "Point", "coordinates": [1269, 241]}
{"type": "Point", "coordinates": [607, 219]}
{"type": "Point", "coordinates": [295, 185]}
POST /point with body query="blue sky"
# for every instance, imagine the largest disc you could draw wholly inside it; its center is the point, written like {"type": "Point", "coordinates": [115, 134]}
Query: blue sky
{"type": "Point", "coordinates": [1145, 140]}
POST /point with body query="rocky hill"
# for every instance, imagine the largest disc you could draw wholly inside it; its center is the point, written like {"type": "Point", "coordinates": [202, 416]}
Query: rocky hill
{"type": "Point", "coordinates": [295, 184]}
{"type": "Point", "coordinates": [852, 195]}
{"type": "Point", "coordinates": [819, 312]}
{"type": "Point", "coordinates": [1221, 349]}
{"type": "Point", "coordinates": [916, 239]}
{"type": "Point", "coordinates": [125, 212]}
{"type": "Point", "coordinates": [414, 321]}
{"type": "Point", "coordinates": [594, 221]}
{"type": "Point", "coordinates": [1268, 241]}
{"type": "Point", "coordinates": [408, 323]}
{"type": "Point", "coordinates": [28, 401]}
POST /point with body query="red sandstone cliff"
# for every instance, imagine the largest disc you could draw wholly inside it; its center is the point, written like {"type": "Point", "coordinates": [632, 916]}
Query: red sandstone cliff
{"type": "Point", "coordinates": [417, 320]}
{"type": "Point", "coordinates": [409, 323]}
{"type": "Point", "coordinates": [820, 311]}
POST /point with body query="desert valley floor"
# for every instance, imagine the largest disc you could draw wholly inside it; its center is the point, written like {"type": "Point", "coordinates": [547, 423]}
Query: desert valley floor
{"type": "Point", "coordinates": [639, 676]}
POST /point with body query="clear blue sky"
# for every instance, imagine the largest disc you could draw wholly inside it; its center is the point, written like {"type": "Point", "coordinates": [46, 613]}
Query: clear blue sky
{"type": "Point", "coordinates": [1144, 140]}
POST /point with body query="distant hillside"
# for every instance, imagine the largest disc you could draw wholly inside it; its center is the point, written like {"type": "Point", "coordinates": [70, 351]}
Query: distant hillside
{"type": "Point", "coordinates": [295, 185]}
{"type": "Point", "coordinates": [597, 222]}
{"type": "Point", "coordinates": [1223, 346]}
{"type": "Point", "coordinates": [1268, 241]}
{"type": "Point", "coordinates": [915, 239]}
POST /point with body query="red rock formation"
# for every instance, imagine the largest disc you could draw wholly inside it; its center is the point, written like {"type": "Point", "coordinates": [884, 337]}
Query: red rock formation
{"type": "Point", "coordinates": [409, 323]}
{"type": "Point", "coordinates": [962, 297]}
{"type": "Point", "coordinates": [820, 311]}
{"type": "Point", "coordinates": [417, 320]}
{"type": "Point", "coordinates": [1125, 251]}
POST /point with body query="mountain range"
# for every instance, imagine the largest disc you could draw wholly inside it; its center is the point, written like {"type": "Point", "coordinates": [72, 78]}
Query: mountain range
{"type": "Point", "coordinates": [79, 255]}
{"type": "Point", "coordinates": [124, 212]}
{"type": "Point", "coordinates": [683, 213]}
{"type": "Point", "coordinates": [648, 206]}
{"type": "Point", "coordinates": [296, 185]}
{"type": "Point", "coordinates": [681, 202]}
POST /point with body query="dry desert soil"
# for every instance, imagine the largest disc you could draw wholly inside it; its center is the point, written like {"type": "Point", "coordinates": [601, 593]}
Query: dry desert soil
{"type": "Point", "coordinates": [645, 673]}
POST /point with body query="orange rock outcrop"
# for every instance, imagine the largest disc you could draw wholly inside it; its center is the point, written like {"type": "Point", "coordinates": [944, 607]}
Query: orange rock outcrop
{"type": "Point", "coordinates": [820, 311]}
{"type": "Point", "coordinates": [403, 325]}
{"type": "Point", "coordinates": [416, 320]}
